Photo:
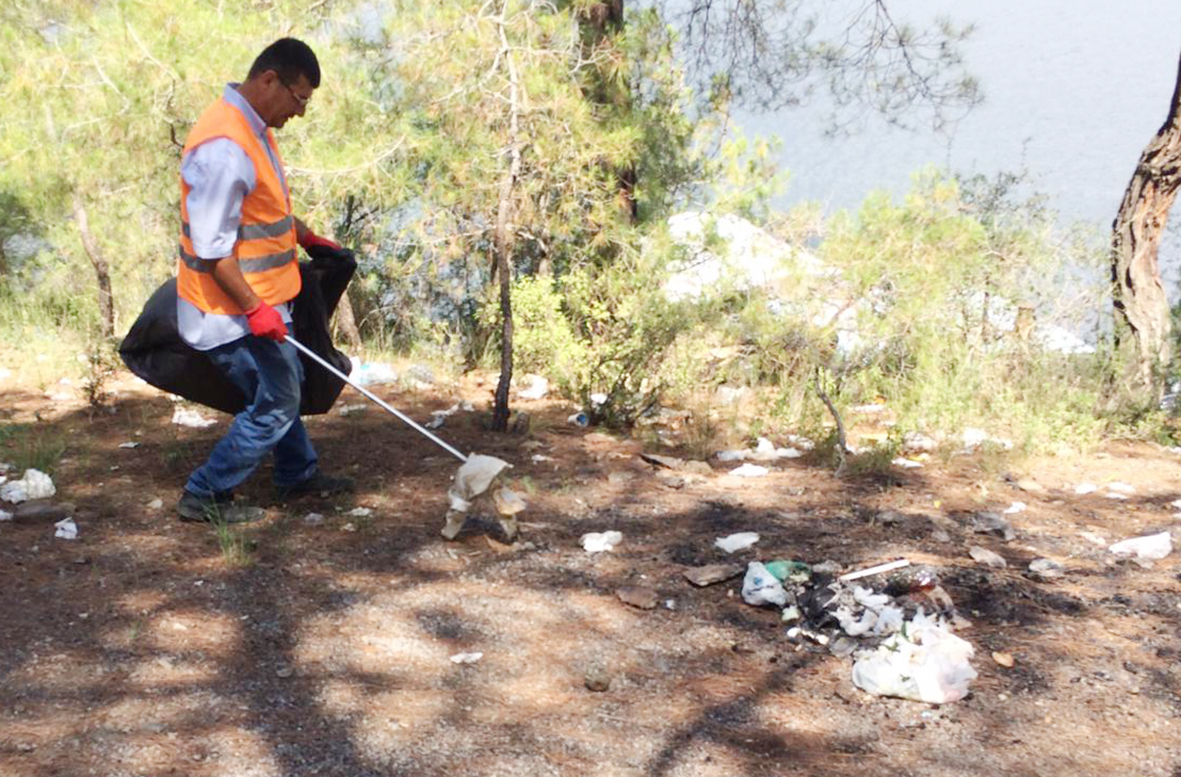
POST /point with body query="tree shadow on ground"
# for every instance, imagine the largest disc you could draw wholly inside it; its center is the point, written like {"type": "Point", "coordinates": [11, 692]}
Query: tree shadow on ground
{"type": "Point", "coordinates": [143, 648]}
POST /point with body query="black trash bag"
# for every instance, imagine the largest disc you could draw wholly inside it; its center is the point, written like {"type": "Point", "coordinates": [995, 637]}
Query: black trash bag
{"type": "Point", "coordinates": [325, 279]}
{"type": "Point", "coordinates": [154, 350]}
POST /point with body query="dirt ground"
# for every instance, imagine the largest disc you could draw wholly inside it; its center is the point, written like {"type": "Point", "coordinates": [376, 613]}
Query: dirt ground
{"type": "Point", "coordinates": [143, 648]}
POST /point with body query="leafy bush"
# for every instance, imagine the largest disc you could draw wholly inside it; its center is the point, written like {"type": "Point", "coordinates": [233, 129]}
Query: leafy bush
{"type": "Point", "coordinates": [543, 340]}
{"type": "Point", "coordinates": [629, 327]}
{"type": "Point", "coordinates": [931, 304]}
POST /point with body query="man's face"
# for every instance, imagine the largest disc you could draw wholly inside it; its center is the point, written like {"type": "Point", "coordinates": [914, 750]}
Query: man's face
{"type": "Point", "coordinates": [285, 100]}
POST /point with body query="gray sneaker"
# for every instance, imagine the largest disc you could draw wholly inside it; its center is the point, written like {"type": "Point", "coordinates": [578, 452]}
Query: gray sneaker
{"type": "Point", "coordinates": [219, 509]}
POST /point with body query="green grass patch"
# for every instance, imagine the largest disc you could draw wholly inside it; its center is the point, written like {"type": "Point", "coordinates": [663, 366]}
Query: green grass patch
{"type": "Point", "coordinates": [27, 446]}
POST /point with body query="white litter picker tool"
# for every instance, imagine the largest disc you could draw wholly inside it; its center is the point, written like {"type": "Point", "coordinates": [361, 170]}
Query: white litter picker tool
{"type": "Point", "coordinates": [474, 477]}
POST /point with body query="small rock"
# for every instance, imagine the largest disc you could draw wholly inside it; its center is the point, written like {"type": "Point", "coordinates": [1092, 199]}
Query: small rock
{"type": "Point", "coordinates": [313, 519]}
{"type": "Point", "coordinates": [675, 482]}
{"type": "Point", "coordinates": [597, 680]}
{"type": "Point", "coordinates": [639, 596]}
{"type": "Point", "coordinates": [620, 477]}
{"type": "Point", "coordinates": [1003, 659]}
{"type": "Point", "coordinates": [698, 467]}
{"type": "Point", "coordinates": [521, 424]}
{"type": "Point", "coordinates": [420, 373]}
{"type": "Point", "coordinates": [713, 573]}
{"type": "Point", "coordinates": [826, 567]}
{"type": "Point", "coordinates": [284, 672]}
{"type": "Point", "coordinates": [992, 523]}
{"type": "Point", "coordinates": [155, 504]}
{"type": "Point", "coordinates": [987, 557]}
{"type": "Point", "coordinates": [668, 462]}
{"type": "Point", "coordinates": [939, 535]}
{"type": "Point", "coordinates": [916, 442]}
{"type": "Point", "coordinates": [39, 510]}
{"type": "Point", "coordinates": [1045, 569]}
{"type": "Point", "coordinates": [1030, 485]}
{"type": "Point", "coordinates": [889, 517]}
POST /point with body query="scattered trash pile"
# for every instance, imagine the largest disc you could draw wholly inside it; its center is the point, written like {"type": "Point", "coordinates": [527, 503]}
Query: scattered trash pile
{"type": "Point", "coordinates": [31, 495]}
{"type": "Point", "coordinates": [895, 620]}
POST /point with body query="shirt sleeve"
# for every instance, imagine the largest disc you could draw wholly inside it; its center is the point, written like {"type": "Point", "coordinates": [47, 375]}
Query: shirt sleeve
{"type": "Point", "coordinates": [220, 176]}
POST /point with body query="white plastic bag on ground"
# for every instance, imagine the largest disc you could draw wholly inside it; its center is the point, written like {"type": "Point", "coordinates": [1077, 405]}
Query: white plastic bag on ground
{"type": "Point", "coordinates": [740, 541]}
{"type": "Point", "coordinates": [66, 529]}
{"type": "Point", "coordinates": [191, 418]}
{"type": "Point", "coordinates": [923, 662]}
{"type": "Point", "coordinates": [1151, 548]}
{"type": "Point", "coordinates": [537, 389]}
{"type": "Point", "coordinates": [879, 617]}
{"type": "Point", "coordinates": [34, 485]}
{"type": "Point", "coordinates": [370, 374]}
{"type": "Point", "coordinates": [473, 479]}
{"type": "Point", "coordinates": [760, 587]}
{"type": "Point", "coordinates": [598, 542]}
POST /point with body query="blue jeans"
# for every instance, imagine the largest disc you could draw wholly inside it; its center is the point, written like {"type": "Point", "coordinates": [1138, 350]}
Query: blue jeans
{"type": "Point", "coordinates": [269, 375]}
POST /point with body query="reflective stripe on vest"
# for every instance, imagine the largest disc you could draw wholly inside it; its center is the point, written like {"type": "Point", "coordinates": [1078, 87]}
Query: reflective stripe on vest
{"type": "Point", "coordinates": [255, 231]}
{"type": "Point", "coordinates": [265, 244]}
{"type": "Point", "coordinates": [255, 265]}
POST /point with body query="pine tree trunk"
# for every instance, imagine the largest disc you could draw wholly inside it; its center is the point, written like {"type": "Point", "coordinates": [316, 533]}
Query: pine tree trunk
{"type": "Point", "coordinates": [1137, 291]}
{"type": "Point", "coordinates": [106, 308]}
{"type": "Point", "coordinates": [503, 242]}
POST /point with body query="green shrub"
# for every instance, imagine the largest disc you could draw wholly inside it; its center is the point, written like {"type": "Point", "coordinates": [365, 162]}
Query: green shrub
{"type": "Point", "coordinates": [628, 327]}
{"type": "Point", "coordinates": [919, 306]}
{"type": "Point", "coordinates": [543, 340]}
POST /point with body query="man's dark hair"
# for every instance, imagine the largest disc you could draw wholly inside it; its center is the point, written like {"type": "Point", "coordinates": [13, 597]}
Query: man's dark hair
{"type": "Point", "coordinates": [290, 59]}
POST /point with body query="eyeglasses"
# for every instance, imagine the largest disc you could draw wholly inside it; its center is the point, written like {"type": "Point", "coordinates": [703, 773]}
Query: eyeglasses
{"type": "Point", "coordinates": [303, 101]}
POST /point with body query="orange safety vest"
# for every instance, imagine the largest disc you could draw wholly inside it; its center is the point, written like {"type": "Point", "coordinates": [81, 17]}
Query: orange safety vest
{"type": "Point", "coordinates": [265, 248]}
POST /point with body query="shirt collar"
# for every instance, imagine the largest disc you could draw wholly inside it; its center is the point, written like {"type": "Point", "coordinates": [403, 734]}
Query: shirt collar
{"type": "Point", "coordinates": [235, 98]}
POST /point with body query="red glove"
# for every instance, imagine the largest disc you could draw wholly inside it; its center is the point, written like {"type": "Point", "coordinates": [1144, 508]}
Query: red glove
{"type": "Point", "coordinates": [265, 321]}
{"type": "Point", "coordinates": [310, 239]}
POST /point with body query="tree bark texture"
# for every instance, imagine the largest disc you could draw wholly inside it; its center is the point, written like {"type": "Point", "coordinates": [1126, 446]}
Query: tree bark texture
{"type": "Point", "coordinates": [503, 243]}
{"type": "Point", "coordinates": [347, 323]}
{"type": "Point", "coordinates": [1137, 292]}
{"type": "Point", "coordinates": [102, 273]}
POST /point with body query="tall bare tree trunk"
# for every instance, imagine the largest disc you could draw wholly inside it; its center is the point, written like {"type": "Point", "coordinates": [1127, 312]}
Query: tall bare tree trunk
{"type": "Point", "coordinates": [106, 308]}
{"type": "Point", "coordinates": [503, 241]}
{"type": "Point", "coordinates": [1137, 292]}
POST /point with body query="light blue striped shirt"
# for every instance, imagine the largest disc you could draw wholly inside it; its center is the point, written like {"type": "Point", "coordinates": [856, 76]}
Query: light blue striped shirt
{"type": "Point", "coordinates": [221, 175]}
